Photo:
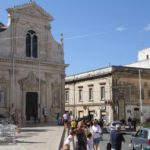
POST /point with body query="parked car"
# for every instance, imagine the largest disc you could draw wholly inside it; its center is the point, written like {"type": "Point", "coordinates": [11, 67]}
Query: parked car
{"type": "Point", "coordinates": [112, 126]}
{"type": "Point", "coordinates": [141, 140]}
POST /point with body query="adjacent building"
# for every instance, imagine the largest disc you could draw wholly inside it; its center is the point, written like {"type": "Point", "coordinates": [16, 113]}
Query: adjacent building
{"type": "Point", "coordinates": [32, 68]}
{"type": "Point", "coordinates": [111, 93]}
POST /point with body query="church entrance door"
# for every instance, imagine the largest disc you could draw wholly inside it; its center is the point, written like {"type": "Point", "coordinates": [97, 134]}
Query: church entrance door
{"type": "Point", "coordinates": [31, 105]}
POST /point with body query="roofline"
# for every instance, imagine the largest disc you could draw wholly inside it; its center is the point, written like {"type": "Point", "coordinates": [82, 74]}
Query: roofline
{"type": "Point", "coordinates": [102, 73]}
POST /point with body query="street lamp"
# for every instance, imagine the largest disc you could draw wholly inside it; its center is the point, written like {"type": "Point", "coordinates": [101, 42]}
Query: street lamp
{"type": "Point", "coordinates": [140, 96]}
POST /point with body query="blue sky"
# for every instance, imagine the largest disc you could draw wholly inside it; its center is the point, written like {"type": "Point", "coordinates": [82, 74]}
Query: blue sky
{"type": "Point", "coordinates": [96, 32]}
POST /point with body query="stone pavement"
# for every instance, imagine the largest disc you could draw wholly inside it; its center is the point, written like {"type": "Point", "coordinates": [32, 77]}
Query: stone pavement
{"type": "Point", "coordinates": [36, 137]}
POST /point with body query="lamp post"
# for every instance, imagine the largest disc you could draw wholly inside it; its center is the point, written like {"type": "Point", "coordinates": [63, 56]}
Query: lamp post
{"type": "Point", "coordinates": [130, 97]}
{"type": "Point", "coordinates": [140, 98]}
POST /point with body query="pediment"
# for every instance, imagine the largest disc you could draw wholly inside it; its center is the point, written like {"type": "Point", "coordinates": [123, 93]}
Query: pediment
{"type": "Point", "coordinates": [31, 82]}
{"type": "Point", "coordinates": [31, 9]}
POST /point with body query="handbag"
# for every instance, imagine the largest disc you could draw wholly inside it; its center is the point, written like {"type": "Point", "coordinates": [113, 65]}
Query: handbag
{"type": "Point", "coordinates": [108, 147]}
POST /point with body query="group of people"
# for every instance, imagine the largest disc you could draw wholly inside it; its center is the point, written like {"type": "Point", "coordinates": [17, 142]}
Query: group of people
{"type": "Point", "coordinates": [88, 135]}
{"type": "Point", "coordinates": [132, 123]}
{"type": "Point", "coordinates": [16, 118]}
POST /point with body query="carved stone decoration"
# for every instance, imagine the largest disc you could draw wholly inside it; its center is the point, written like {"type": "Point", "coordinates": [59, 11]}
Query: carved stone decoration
{"type": "Point", "coordinates": [3, 91]}
{"type": "Point", "coordinates": [2, 98]}
{"type": "Point", "coordinates": [55, 95]}
{"type": "Point", "coordinates": [31, 9]}
{"type": "Point", "coordinates": [31, 83]}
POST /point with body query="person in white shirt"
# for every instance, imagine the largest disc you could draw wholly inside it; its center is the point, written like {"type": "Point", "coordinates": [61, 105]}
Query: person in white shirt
{"type": "Point", "coordinates": [96, 132]}
{"type": "Point", "coordinates": [69, 139]}
{"type": "Point", "coordinates": [89, 141]}
{"type": "Point", "coordinates": [65, 120]}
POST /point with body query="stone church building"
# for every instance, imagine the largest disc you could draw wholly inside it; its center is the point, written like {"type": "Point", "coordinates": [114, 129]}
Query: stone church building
{"type": "Point", "coordinates": [32, 68]}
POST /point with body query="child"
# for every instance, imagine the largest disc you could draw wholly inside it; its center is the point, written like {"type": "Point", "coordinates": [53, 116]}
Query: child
{"type": "Point", "coordinates": [69, 138]}
{"type": "Point", "coordinates": [73, 124]}
{"type": "Point", "coordinates": [89, 141]}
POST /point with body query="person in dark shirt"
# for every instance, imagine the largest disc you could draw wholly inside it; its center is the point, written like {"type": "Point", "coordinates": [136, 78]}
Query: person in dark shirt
{"type": "Point", "coordinates": [116, 138]}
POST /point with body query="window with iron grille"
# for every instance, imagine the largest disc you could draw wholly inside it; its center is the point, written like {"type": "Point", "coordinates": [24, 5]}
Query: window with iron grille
{"type": "Point", "coordinates": [80, 95]}
{"type": "Point", "coordinates": [90, 93]}
{"type": "Point", "coordinates": [67, 96]}
{"type": "Point", "coordinates": [102, 92]}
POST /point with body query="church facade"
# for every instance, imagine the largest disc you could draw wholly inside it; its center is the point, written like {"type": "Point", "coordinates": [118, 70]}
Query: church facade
{"type": "Point", "coordinates": [32, 68]}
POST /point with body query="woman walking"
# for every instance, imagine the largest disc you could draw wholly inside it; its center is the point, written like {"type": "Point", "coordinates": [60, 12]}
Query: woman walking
{"type": "Point", "coordinates": [96, 131]}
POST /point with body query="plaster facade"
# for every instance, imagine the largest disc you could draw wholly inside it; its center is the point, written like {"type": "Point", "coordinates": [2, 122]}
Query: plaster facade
{"type": "Point", "coordinates": [111, 93]}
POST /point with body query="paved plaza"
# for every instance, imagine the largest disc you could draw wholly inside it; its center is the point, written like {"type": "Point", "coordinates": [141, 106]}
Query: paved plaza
{"type": "Point", "coordinates": [37, 137]}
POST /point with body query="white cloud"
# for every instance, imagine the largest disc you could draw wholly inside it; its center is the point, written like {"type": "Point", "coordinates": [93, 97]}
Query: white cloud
{"type": "Point", "coordinates": [147, 28]}
{"type": "Point", "coordinates": [120, 29]}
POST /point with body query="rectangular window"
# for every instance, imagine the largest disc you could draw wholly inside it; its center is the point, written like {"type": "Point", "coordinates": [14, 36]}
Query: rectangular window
{"type": "Point", "coordinates": [102, 92]}
{"type": "Point", "coordinates": [90, 93]}
{"type": "Point", "coordinates": [80, 95]}
{"type": "Point", "coordinates": [67, 96]}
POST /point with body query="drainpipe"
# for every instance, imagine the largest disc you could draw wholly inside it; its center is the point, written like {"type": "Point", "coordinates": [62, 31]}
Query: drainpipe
{"type": "Point", "coordinates": [39, 102]}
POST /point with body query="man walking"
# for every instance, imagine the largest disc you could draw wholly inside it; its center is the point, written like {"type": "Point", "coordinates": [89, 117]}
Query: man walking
{"type": "Point", "coordinates": [116, 138]}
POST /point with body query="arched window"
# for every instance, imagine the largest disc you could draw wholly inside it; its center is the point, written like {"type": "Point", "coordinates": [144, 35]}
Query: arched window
{"type": "Point", "coordinates": [31, 44]}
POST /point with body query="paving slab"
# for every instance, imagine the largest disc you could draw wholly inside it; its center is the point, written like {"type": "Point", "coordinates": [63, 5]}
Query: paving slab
{"type": "Point", "coordinates": [36, 138]}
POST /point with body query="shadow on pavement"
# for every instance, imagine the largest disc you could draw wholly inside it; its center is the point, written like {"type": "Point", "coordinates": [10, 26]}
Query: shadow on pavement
{"type": "Point", "coordinates": [30, 142]}
{"type": "Point", "coordinates": [34, 130]}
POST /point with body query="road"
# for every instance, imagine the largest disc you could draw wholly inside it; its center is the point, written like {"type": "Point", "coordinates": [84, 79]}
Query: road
{"type": "Point", "coordinates": [125, 146]}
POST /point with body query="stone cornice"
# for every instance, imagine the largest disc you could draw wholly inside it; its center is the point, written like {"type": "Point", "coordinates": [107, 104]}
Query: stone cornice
{"type": "Point", "coordinates": [30, 61]}
{"type": "Point", "coordinates": [81, 105]}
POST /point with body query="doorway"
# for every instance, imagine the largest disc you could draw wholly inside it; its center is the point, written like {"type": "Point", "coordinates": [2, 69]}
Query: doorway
{"type": "Point", "coordinates": [31, 105]}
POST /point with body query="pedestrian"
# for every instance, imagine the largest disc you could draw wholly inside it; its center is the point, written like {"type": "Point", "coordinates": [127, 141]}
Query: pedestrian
{"type": "Point", "coordinates": [81, 137]}
{"type": "Point", "coordinates": [116, 138]}
{"type": "Point", "coordinates": [89, 141]}
{"type": "Point", "coordinates": [17, 119]}
{"type": "Point", "coordinates": [69, 138]}
{"type": "Point", "coordinates": [73, 124]}
{"type": "Point", "coordinates": [101, 124]}
{"type": "Point", "coordinates": [65, 120]}
{"type": "Point", "coordinates": [58, 119]}
{"type": "Point", "coordinates": [129, 122]}
{"type": "Point", "coordinates": [45, 113]}
{"type": "Point", "coordinates": [96, 132]}
{"type": "Point", "coordinates": [134, 123]}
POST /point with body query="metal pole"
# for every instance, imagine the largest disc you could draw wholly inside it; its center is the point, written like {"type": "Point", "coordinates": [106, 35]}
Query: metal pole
{"type": "Point", "coordinates": [140, 96]}
{"type": "Point", "coordinates": [13, 80]}
{"type": "Point", "coordinates": [74, 97]}
{"type": "Point", "coordinates": [130, 97]}
{"type": "Point", "coordinates": [39, 103]}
